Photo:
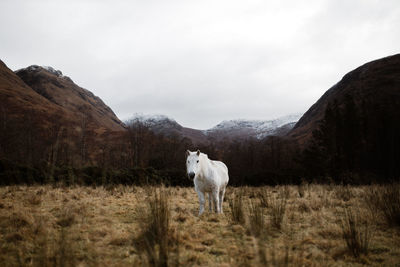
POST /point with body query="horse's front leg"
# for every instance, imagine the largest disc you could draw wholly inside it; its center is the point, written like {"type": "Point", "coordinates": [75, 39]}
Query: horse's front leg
{"type": "Point", "coordinates": [201, 201]}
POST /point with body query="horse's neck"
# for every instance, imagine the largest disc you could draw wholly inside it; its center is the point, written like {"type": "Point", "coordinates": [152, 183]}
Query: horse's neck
{"type": "Point", "coordinates": [205, 166]}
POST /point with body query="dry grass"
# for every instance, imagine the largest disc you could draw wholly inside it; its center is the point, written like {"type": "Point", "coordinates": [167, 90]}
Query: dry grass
{"type": "Point", "coordinates": [385, 200]}
{"type": "Point", "coordinates": [256, 225]}
{"type": "Point", "coordinates": [236, 204]}
{"type": "Point", "coordinates": [356, 235]}
{"type": "Point", "coordinates": [264, 196]}
{"type": "Point", "coordinates": [156, 240]}
{"type": "Point", "coordinates": [134, 226]}
{"type": "Point", "coordinates": [278, 207]}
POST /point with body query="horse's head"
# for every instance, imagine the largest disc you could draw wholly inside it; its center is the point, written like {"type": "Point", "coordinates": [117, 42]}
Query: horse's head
{"type": "Point", "coordinates": [192, 163]}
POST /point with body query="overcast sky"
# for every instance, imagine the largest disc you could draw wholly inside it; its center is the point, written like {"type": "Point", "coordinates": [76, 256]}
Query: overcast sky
{"type": "Point", "coordinates": [201, 62]}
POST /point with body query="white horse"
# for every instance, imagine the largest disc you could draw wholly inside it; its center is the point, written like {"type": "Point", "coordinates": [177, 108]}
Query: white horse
{"type": "Point", "coordinates": [209, 176]}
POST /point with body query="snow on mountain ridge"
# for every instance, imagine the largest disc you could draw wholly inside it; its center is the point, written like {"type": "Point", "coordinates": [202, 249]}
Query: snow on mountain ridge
{"type": "Point", "coordinates": [49, 69]}
{"type": "Point", "coordinates": [152, 119]}
{"type": "Point", "coordinates": [54, 71]}
{"type": "Point", "coordinates": [255, 124]}
{"type": "Point", "coordinates": [233, 128]}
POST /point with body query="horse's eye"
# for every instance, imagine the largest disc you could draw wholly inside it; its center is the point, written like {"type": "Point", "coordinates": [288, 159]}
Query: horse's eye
{"type": "Point", "coordinates": [188, 161]}
{"type": "Point", "coordinates": [197, 161]}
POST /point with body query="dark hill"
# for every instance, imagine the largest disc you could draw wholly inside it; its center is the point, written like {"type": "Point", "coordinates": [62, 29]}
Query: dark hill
{"type": "Point", "coordinates": [63, 92]}
{"type": "Point", "coordinates": [46, 116]}
{"type": "Point", "coordinates": [18, 99]}
{"type": "Point", "coordinates": [374, 88]}
{"type": "Point", "coordinates": [353, 131]}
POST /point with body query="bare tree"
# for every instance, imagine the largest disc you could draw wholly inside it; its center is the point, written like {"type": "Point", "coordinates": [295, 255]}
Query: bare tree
{"type": "Point", "coordinates": [83, 134]}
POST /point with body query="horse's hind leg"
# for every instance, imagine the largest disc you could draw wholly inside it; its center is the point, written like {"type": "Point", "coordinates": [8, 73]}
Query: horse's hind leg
{"type": "Point", "coordinates": [216, 201]}
{"type": "Point", "coordinates": [209, 202]}
{"type": "Point", "coordinates": [221, 199]}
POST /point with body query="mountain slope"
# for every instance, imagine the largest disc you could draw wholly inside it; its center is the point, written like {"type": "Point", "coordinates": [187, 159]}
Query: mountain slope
{"type": "Point", "coordinates": [18, 99]}
{"type": "Point", "coordinates": [374, 87]}
{"type": "Point", "coordinates": [45, 116]}
{"type": "Point", "coordinates": [63, 92]}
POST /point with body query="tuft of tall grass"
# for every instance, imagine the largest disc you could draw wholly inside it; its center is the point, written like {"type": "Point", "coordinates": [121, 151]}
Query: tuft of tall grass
{"type": "Point", "coordinates": [264, 197]}
{"type": "Point", "coordinates": [64, 255]}
{"type": "Point", "coordinates": [386, 200]}
{"type": "Point", "coordinates": [34, 200]}
{"type": "Point", "coordinates": [40, 243]}
{"type": "Point", "coordinates": [356, 236]}
{"type": "Point", "coordinates": [52, 250]}
{"type": "Point", "coordinates": [278, 208]}
{"type": "Point", "coordinates": [256, 219]}
{"type": "Point", "coordinates": [343, 192]}
{"type": "Point", "coordinates": [156, 239]}
{"type": "Point", "coordinates": [66, 219]}
{"type": "Point", "coordinates": [236, 205]}
{"type": "Point", "coordinates": [301, 190]}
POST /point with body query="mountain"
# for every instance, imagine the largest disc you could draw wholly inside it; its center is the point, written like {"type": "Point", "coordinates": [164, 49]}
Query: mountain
{"type": "Point", "coordinates": [232, 129]}
{"type": "Point", "coordinates": [375, 89]}
{"type": "Point", "coordinates": [158, 123]}
{"type": "Point", "coordinates": [41, 110]}
{"type": "Point", "coordinates": [161, 124]}
{"type": "Point", "coordinates": [18, 99]}
{"type": "Point", "coordinates": [259, 129]}
{"type": "Point", "coordinates": [52, 85]}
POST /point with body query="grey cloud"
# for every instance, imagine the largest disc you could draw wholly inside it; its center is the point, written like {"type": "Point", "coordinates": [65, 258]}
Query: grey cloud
{"type": "Point", "coordinates": [201, 62]}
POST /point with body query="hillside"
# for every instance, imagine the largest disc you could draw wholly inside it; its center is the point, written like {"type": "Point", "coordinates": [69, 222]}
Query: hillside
{"type": "Point", "coordinates": [374, 88]}
{"type": "Point", "coordinates": [62, 91]}
{"type": "Point", "coordinates": [18, 99]}
{"type": "Point", "coordinates": [45, 115]}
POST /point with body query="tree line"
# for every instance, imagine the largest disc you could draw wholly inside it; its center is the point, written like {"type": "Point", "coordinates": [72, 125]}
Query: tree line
{"type": "Point", "coordinates": [355, 142]}
{"type": "Point", "coordinates": [352, 144]}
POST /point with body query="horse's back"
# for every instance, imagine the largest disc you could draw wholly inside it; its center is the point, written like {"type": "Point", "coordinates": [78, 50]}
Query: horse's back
{"type": "Point", "coordinates": [222, 170]}
{"type": "Point", "coordinates": [220, 164]}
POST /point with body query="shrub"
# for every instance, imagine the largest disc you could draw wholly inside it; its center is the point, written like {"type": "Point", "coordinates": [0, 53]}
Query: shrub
{"type": "Point", "coordinates": [264, 196]}
{"type": "Point", "coordinates": [386, 200]}
{"type": "Point", "coordinates": [300, 189]}
{"type": "Point", "coordinates": [236, 205]}
{"type": "Point", "coordinates": [357, 237]}
{"type": "Point", "coordinates": [66, 219]}
{"type": "Point", "coordinates": [64, 255]}
{"type": "Point", "coordinates": [343, 192]}
{"type": "Point", "coordinates": [278, 208]}
{"type": "Point", "coordinates": [256, 219]}
{"type": "Point", "coordinates": [156, 239]}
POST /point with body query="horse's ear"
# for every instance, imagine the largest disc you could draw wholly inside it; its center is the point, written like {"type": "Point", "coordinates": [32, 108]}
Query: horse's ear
{"type": "Point", "coordinates": [187, 153]}
{"type": "Point", "coordinates": [198, 152]}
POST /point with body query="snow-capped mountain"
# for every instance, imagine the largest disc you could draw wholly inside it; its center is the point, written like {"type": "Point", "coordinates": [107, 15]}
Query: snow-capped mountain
{"type": "Point", "coordinates": [254, 128]}
{"type": "Point", "coordinates": [152, 120]}
{"type": "Point", "coordinates": [157, 123]}
{"type": "Point", "coordinates": [230, 129]}
{"type": "Point", "coordinates": [36, 68]}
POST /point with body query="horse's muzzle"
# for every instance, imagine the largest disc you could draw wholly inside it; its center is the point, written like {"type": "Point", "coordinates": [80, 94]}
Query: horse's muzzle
{"type": "Point", "coordinates": [191, 175]}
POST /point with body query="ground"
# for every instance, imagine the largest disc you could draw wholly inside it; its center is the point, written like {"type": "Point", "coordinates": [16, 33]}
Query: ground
{"type": "Point", "coordinates": [105, 226]}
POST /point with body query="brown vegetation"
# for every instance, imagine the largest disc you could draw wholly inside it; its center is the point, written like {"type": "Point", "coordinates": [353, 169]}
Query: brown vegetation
{"type": "Point", "coordinates": [141, 226]}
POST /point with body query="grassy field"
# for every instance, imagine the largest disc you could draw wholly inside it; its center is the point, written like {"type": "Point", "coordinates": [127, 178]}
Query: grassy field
{"type": "Point", "coordinates": [306, 225]}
